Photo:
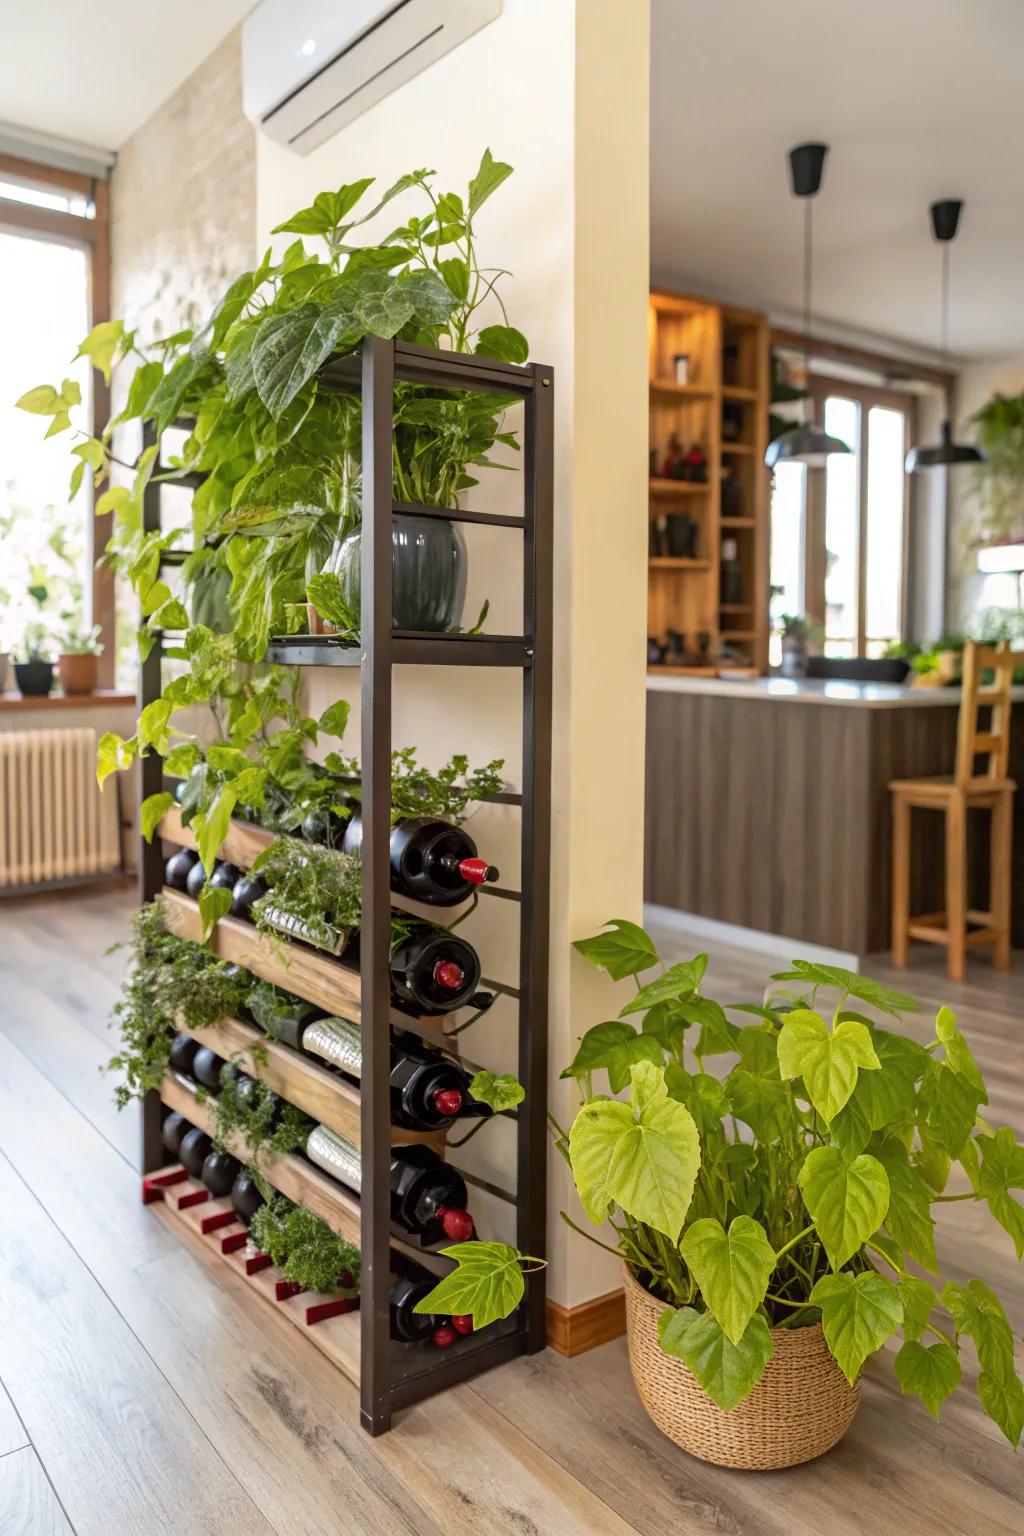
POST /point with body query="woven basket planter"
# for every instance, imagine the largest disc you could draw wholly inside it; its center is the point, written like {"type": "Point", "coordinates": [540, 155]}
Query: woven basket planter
{"type": "Point", "coordinates": [800, 1408]}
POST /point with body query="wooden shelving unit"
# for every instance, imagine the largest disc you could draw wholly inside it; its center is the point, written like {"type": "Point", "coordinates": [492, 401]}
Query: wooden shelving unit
{"type": "Point", "coordinates": [390, 1375]}
{"type": "Point", "coordinates": [722, 409]}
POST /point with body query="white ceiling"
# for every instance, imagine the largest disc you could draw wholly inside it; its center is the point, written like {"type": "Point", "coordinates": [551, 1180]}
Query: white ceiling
{"type": "Point", "coordinates": [919, 99]}
{"type": "Point", "coordinates": [95, 70]}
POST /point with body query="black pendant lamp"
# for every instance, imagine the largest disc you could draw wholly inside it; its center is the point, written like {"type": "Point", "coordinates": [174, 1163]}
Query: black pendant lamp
{"type": "Point", "coordinates": [806, 444]}
{"type": "Point", "coordinates": [945, 217]}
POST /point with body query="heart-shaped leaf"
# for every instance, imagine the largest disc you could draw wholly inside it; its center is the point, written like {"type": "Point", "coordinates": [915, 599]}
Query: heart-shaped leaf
{"type": "Point", "coordinates": [1002, 1169]}
{"type": "Point", "coordinates": [918, 1298]}
{"type": "Point", "coordinates": [623, 952]}
{"type": "Point", "coordinates": [616, 1046]}
{"type": "Point", "coordinates": [930, 1373]}
{"type": "Point", "coordinates": [676, 984]}
{"type": "Point", "coordinates": [828, 1061]}
{"type": "Point", "coordinates": [487, 1283]}
{"type": "Point", "coordinates": [725, 1370]}
{"type": "Point", "coordinates": [847, 1201]}
{"type": "Point", "coordinates": [909, 1217]}
{"type": "Point", "coordinates": [503, 1092]}
{"type": "Point", "coordinates": [858, 1314]}
{"type": "Point", "coordinates": [732, 1268]}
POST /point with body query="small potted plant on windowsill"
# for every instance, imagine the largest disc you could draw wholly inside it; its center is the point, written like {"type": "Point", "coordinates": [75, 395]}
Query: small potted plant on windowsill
{"type": "Point", "coordinates": [33, 669]}
{"type": "Point", "coordinates": [79, 658]}
{"type": "Point", "coordinates": [775, 1219]}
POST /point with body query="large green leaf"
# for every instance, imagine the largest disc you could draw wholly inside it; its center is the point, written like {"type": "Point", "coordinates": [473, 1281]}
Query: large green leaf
{"type": "Point", "coordinates": [977, 1311]}
{"type": "Point", "coordinates": [918, 1298]}
{"type": "Point", "coordinates": [931, 1372]}
{"type": "Point", "coordinates": [909, 1217]}
{"type": "Point", "coordinates": [214, 903]}
{"type": "Point", "coordinates": [623, 952]}
{"type": "Point", "coordinates": [288, 349]}
{"type": "Point", "coordinates": [880, 1098]}
{"type": "Point", "coordinates": [211, 826]}
{"type": "Point", "coordinates": [676, 984]}
{"type": "Point", "coordinates": [858, 1314]}
{"type": "Point", "coordinates": [763, 1103]}
{"type": "Point", "coordinates": [1002, 1169]}
{"type": "Point", "coordinates": [151, 812]}
{"type": "Point", "coordinates": [847, 1201]}
{"type": "Point", "coordinates": [851, 982]}
{"type": "Point", "coordinates": [725, 1370]}
{"type": "Point", "coordinates": [616, 1046]}
{"type": "Point", "coordinates": [732, 1268]}
{"type": "Point", "coordinates": [828, 1061]}
{"type": "Point", "coordinates": [702, 1094]}
{"type": "Point", "coordinates": [488, 179]}
{"type": "Point", "coordinates": [947, 1108]}
{"type": "Point", "coordinates": [1003, 1400]}
{"type": "Point", "coordinates": [643, 1156]}
{"type": "Point", "coordinates": [958, 1053]}
{"type": "Point", "coordinates": [113, 754]}
{"type": "Point", "coordinates": [503, 1092]}
{"type": "Point", "coordinates": [487, 1283]}
{"type": "Point", "coordinates": [326, 212]}
{"type": "Point", "coordinates": [504, 342]}
{"type": "Point", "coordinates": [432, 300]}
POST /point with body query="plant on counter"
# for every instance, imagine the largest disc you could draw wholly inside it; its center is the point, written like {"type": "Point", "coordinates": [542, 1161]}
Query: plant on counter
{"type": "Point", "coordinates": [304, 1247]}
{"type": "Point", "coordinates": [795, 1188]}
{"type": "Point", "coordinates": [173, 982]}
{"type": "Point", "coordinates": [998, 482]}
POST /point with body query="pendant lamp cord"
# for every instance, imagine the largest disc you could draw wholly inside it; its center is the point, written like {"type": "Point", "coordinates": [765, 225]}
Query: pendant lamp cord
{"type": "Point", "coordinates": [808, 261]}
{"type": "Point", "coordinates": [945, 298]}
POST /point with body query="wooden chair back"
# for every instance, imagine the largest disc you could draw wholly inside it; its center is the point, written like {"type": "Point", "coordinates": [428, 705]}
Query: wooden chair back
{"type": "Point", "coordinates": [992, 744]}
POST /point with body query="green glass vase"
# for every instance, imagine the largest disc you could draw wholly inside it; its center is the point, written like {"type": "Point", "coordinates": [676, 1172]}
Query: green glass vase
{"type": "Point", "coordinates": [428, 573]}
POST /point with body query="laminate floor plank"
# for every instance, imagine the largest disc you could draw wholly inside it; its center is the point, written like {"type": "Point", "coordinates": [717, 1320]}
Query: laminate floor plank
{"type": "Point", "coordinates": [12, 1431]}
{"type": "Point", "coordinates": [28, 1505]}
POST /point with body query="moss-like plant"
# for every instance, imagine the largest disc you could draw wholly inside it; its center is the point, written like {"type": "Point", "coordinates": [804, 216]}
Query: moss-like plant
{"type": "Point", "coordinates": [246, 1106]}
{"type": "Point", "coordinates": [318, 888]}
{"type": "Point", "coordinates": [305, 1247]}
{"type": "Point", "coordinates": [173, 982]}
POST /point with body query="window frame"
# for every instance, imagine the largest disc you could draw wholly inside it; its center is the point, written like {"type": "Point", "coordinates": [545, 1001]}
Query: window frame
{"type": "Point", "coordinates": [93, 236]}
{"type": "Point", "coordinates": [820, 387]}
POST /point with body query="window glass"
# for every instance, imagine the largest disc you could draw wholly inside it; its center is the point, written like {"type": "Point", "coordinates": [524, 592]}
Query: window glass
{"type": "Point", "coordinates": [788, 513]}
{"type": "Point", "coordinates": [884, 533]}
{"type": "Point", "coordinates": [842, 420]}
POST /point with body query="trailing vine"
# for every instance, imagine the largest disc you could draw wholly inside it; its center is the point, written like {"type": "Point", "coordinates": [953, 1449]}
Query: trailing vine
{"type": "Point", "coordinates": [304, 1247]}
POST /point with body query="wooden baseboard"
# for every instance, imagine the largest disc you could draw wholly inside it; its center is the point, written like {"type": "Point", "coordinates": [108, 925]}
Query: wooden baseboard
{"type": "Point", "coordinates": [572, 1330]}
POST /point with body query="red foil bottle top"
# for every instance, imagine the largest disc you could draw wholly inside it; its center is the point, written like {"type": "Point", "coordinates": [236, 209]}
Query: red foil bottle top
{"type": "Point", "coordinates": [445, 1336]}
{"type": "Point", "coordinates": [477, 871]}
{"type": "Point", "coordinates": [448, 1101]}
{"type": "Point", "coordinates": [458, 1225]}
{"type": "Point", "coordinates": [449, 975]}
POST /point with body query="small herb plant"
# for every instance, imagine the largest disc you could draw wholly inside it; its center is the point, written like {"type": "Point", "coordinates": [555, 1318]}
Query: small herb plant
{"type": "Point", "coordinates": [418, 791]}
{"type": "Point", "coordinates": [172, 982]}
{"type": "Point", "coordinates": [304, 1247]}
{"type": "Point", "coordinates": [795, 1185]}
{"type": "Point", "coordinates": [246, 1106]}
{"type": "Point", "coordinates": [81, 642]}
{"type": "Point", "coordinates": [319, 888]}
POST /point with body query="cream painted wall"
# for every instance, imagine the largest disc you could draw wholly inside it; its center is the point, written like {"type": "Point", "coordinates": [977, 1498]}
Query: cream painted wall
{"type": "Point", "coordinates": [968, 588]}
{"type": "Point", "coordinates": [560, 91]}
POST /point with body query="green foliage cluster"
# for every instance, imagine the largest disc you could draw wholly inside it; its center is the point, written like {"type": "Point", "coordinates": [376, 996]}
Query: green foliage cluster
{"type": "Point", "coordinates": [172, 982]}
{"type": "Point", "coordinates": [247, 1107]}
{"type": "Point", "coordinates": [998, 482]}
{"type": "Point", "coordinates": [316, 886]}
{"type": "Point", "coordinates": [795, 1184]}
{"type": "Point", "coordinates": [304, 1247]}
{"type": "Point", "coordinates": [419, 791]}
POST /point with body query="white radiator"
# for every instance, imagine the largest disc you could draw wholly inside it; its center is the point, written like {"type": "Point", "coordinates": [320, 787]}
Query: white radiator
{"type": "Point", "coordinates": [54, 822]}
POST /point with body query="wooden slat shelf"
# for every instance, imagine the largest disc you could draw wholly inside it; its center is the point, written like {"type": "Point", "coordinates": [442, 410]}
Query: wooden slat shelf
{"type": "Point", "coordinates": [742, 396]}
{"type": "Point", "coordinates": [300, 1180]}
{"type": "Point", "coordinates": [662, 487]}
{"type": "Point", "coordinates": [678, 563]}
{"type": "Point", "coordinates": [336, 1337]}
{"type": "Point", "coordinates": [737, 447]}
{"type": "Point", "coordinates": [311, 1087]}
{"type": "Point", "coordinates": [315, 977]}
{"type": "Point", "coordinates": [670, 387]}
{"type": "Point", "coordinates": [243, 844]}
{"type": "Point", "coordinates": [739, 522]}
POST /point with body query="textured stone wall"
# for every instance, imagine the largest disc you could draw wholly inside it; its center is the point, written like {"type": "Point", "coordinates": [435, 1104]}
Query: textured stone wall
{"type": "Point", "coordinates": [183, 201]}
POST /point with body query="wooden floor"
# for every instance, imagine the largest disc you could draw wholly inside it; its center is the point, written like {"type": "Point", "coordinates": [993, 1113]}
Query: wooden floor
{"type": "Point", "coordinates": [145, 1394]}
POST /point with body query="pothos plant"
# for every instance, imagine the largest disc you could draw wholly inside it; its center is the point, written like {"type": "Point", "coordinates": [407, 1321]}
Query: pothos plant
{"type": "Point", "coordinates": [797, 1183]}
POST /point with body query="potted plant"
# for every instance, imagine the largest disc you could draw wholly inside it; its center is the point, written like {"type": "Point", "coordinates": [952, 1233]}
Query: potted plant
{"type": "Point", "coordinates": [774, 1217]}
{"type": "Point", "coordinates": [33, 668]}
{"type": "Point", "coordinates": [795, 635]}
{"type": "Point", "coordinates": [80, 653]}
{"type": "Point", "coordinates": [997, 482]}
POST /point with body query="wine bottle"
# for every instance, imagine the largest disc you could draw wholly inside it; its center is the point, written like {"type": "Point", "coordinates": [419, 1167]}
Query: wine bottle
{"type": "Point", "coordinates": [428, 1090]}
{"type": "Point", "coordinates": [182, 1053]}
{"type": "Point", "coordinates": [431, 860]}
{"type": "Point", "coordinates": [246, 1197]}
{"type": "Point", "coordinates": [178, 866]}
{"type": "Point", "coordinates": [220, 1170]}
{"type": "Point", "coordinates": [428, 1195]}
{"type": "Point", "coordinates": [206, 1067]}
{"type": "Point", "coordinates": [195, 1148]}
{"type": "Point", "coordinates": [245, 892]}
{"type": "Point", "coordinates": [224, 876]}
{"type": "Point", "coordinates": [172, 1132]}
{"type": "Point", "coordinates": [433, 971]}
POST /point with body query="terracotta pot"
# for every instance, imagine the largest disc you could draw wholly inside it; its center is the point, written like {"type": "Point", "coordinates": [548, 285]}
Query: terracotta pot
{"type": "Point", "coordinates": [77, 672]}
{"type": "Point", "coordinates": [801, 1407]}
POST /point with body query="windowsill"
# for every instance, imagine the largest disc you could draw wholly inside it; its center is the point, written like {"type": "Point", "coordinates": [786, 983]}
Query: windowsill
{"type": "Point", "coordinates": [102, 698]}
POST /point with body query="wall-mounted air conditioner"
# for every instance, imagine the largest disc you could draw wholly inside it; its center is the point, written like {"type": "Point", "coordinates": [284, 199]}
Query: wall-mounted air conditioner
{"type": "Point", "coordinates": [311, 66]}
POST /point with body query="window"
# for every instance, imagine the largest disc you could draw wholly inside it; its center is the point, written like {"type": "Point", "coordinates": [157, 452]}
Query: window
{"type": "Point", "coordinates": [838, 534]}
{"type": "Point", "coordinates": [53, 287]}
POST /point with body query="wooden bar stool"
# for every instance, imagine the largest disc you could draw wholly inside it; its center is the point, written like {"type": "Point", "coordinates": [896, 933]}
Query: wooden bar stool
{"type": "Point", "coordinates": [968, 789]}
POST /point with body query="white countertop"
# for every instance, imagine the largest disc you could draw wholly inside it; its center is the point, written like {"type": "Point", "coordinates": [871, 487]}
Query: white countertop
{"type": "Point", "coordinates": [814, 691]}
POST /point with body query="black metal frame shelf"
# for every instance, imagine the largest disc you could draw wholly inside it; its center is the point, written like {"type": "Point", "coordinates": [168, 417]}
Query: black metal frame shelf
{"type": "Point", "coordinates": [388, 1379]}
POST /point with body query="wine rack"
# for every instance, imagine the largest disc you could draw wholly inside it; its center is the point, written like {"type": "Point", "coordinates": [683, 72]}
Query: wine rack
{"type": "Point", "coordinates": [390, 1375]}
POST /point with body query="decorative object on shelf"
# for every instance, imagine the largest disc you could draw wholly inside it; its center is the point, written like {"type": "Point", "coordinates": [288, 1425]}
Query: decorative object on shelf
{"type": "Point", "coordinates": [731, 494]}
{"type": "Point", "coordinates": [731, 573]}
{"type": "Point", "coordinates": [765, 1268]}
{"type": "Point", "coordinates": [695, 466]}
{"type": "Point", "coordinates": [428, 574]}
{"type": "Point", "coordinates": [795, 635]}
{"type": "Point", "coordinates": [808, 443]}
{"type": "Point", "coordinates": [33, 669]}
{"type": "Point", "coordinates": [672, 465]}
{"type": "Point", "coordinates": [657, 537]}
{"type": "Point", "coordinates": [681, 367]}
{"type": "Point", "coordinates": [78, 662]}
{"type": "Point", "coordinates": [682, 536]}
{"type": "Point", "coordinates": [945, 221]}
{"type": "Point", "coordinates": [656, 652]}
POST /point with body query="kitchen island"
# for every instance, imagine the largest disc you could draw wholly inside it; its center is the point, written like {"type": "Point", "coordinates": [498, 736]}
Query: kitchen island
{"type": "Point", "coordinates": [768, 804]}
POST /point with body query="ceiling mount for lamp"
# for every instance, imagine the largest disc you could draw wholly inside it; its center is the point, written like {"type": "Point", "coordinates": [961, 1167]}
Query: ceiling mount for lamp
{"type": "Point", "coordinates": [945, 217]}
{"type": "Point", "coordinates": [806, 444]}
